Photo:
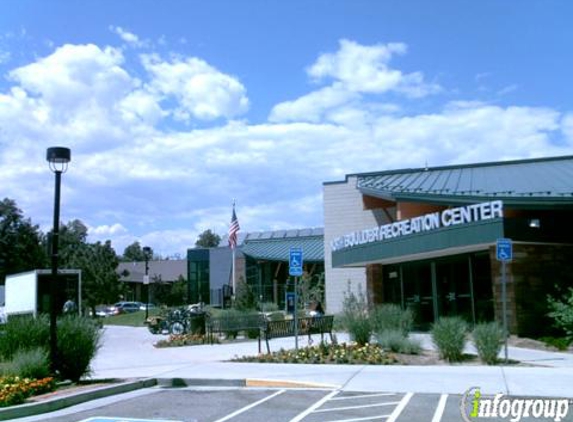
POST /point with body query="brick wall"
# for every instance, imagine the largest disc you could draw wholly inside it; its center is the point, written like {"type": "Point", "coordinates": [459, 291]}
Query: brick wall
{"type": "Point", "coordinates": [531, 276]}
{"type": "Point", "coordinates": [343, 213]}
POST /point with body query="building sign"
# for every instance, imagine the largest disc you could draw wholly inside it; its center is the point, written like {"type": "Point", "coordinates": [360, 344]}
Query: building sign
{"type": "Point", "coordinates": [424, 223]}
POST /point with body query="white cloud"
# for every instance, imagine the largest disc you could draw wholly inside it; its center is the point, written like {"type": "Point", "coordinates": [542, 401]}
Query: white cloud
{"type": "Point", "coordinates": [76, 76]}
{"type": "Point", "coordinates": [354, 71]}
{"type": "Point", "coordinates": [4, 56]}
{"type": "Point", "coordinates": [202, 91]}
{"type": "Point", "coordinates": [135, 177]}
{"type": "Point", "coordinates": [365, 69]}
{"type": "Point", "coordinates": [567, 126]}
{"type": "Point", "coordinates": [141, 106]}
{"type": "Point", "coordinates": [126, 36]}
{"type": "Point", "coordinates": [508, 89]}
{"type": "Point", "coordinates": [312, 107]}
{"type": "Point", "coordinates": [105, 230]}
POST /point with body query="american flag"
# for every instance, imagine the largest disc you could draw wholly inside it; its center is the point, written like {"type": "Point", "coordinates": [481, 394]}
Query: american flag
{"type": "Point", "coordinates": [233, 230]}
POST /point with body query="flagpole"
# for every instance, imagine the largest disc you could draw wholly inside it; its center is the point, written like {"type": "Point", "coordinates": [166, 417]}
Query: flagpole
{"type": "Point", "coordinates": [233, 296]}
{"type": "Point", "coordinates": [233, 283]}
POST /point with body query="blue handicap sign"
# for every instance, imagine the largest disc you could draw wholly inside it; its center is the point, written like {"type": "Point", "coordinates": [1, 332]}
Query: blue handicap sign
{"type": "Point", "coordinates": [290, 298]}
{"type": "Point", "coordinates": [295, 262]}
{"type": "Point", "coordinates": [504, 250]}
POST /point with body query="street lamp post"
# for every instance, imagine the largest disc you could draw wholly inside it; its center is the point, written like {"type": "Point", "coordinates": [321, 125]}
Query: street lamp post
{"type": "Point", "coordinates": [58, 158]}
{"type": "Point", "coordinates": [146, 253]}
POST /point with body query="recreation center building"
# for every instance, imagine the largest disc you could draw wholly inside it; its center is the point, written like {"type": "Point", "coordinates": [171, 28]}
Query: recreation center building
{"type": "Point", "coordinates": [426, 239]}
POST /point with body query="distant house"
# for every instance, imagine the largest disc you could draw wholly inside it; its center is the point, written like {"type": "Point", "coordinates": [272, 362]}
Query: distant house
{"type": "Point", "coordinates": [166, 271]}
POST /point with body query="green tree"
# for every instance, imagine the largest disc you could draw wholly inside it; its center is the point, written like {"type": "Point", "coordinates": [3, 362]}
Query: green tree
{"type": "Point", "coordinates": [21, 242]}
{"type": "Point", "coordinates": [245, 299]}
{"type": "Point", "coordinates": [100, 280]}
{"type": "Point", "coordinates": [134, 252]}
{"type": "Point", "coordinates": [208, 239]}
{"type": "Point", "coordinates": [170, 294]}
{"type": "Point", "coordinates": [72, 237]}
{"type": "Point", "coordinates": [97, 261]}
{"type": "Point", "coordinates": [310, 289]}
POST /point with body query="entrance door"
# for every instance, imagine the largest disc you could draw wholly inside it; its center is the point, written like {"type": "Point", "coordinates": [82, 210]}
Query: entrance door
{"type": "Point", "coordinates": [418, 293]}
{"type": "Point", "coordinates": [454, 288]}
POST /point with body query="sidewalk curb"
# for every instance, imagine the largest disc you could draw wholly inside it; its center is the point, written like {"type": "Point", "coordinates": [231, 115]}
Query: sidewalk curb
{"type": "Point", "coordinates": [268, 383]}
{"type": "Point", "coordinates": [206, 382]}
{"type": "Point", "coordinates": [57, 403]}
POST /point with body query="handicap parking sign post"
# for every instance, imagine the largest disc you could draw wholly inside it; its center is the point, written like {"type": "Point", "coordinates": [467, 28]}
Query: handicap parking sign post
{"type": "Point", "coordinates": [504, 254]}
{"type": "Point", "coordinates": [295, 269]}
{"type": "Point", "coordinates": [295, 262]}
{"type": "Point", "coordinates": [504, 250]}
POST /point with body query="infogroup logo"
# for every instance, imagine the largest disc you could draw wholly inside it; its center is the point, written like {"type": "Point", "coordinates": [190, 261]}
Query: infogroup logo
{"type": "Point", "coordinates": [475, 406]}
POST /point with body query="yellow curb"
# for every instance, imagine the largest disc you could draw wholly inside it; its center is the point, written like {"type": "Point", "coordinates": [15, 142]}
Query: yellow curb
{"type": "Point", "coordinates": [286, 384]}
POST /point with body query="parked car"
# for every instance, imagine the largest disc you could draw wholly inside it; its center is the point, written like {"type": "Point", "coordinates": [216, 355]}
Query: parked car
{"type": "Point", "coordinates": [124, 308]}
{"type": "Point", "coordinates": [102, 311]}
{"type": "Point", "coordinates": [142, 306]}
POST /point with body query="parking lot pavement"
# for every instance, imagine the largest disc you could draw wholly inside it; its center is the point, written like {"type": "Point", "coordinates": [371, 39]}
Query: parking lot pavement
{"type": "Point", "coordinates": [198, 404]}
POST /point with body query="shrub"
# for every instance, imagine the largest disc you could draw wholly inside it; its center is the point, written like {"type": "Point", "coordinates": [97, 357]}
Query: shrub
{"type": "Point", "coordinates": [356, 317]}
{"type": "Point", "coordinates": [449, 336]}
{"type": "Point", "coordinates": [392, 317]}
{"type": "Point", "coordinates": [562, 312]}
{"type": "Point", "coordinates": [24, 333]}
{"type": "Point", "coordinates": [230, 319]}
{"type": "Point", "coordinates": [488, 339]}
{"type": "Point", "coordinates": [560, 343]}
{"type": "Point", "coordinates": [78, 342]}
{"type": "Point", "coordinates": [268, 307]}
{"type": "Point", "coordinates": [276, 316]}
{"type": "Point", "coordinates": [395, 341]}
{"type": "Point", "coordinates": [245, 299]}
{"type": "Point", "coordinates": [33, 363]}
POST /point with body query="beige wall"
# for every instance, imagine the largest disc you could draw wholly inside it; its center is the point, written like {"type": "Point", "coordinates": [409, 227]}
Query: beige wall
{"type": "Point", "coordinates": [343, 213]}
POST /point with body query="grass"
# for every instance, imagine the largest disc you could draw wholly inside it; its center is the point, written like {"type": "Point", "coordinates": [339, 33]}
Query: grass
{"type": "Point", "coordinates": [134, 319]}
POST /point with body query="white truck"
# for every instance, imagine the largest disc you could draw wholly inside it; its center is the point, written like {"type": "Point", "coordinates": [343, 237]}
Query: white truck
{"type": "Point", "coordinates": [29, 293]}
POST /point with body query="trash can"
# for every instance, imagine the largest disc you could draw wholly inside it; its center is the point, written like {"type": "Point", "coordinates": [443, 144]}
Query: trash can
{"type": "Point", "coordinates": [197, 323]}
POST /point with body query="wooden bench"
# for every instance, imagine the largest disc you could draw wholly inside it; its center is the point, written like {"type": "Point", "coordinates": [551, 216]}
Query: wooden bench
{"type": "Point", "coordinates": [233, 324]}
{"type": "Point", "coordinates": [306, 326]}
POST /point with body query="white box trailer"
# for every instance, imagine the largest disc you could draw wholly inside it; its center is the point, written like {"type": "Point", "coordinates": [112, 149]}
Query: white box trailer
{"type": "Point", "coordinates": [29, 293]}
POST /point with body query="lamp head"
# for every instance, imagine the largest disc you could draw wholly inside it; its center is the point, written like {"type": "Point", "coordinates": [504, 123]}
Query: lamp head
{"type": "Point", "coordinates": [58, 157]}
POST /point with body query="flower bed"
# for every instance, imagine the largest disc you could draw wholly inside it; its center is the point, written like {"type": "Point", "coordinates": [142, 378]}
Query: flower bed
{"type": "Point", "coordinates": [352, 354]}
{"type": "Point", "coordinates": [15, 390]}
{"type": "Point", "coordinates": [176, 340]}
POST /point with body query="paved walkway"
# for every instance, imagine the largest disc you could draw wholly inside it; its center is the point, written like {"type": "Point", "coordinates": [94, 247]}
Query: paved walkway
{"type": "Point", "coordinates": [129, 353]}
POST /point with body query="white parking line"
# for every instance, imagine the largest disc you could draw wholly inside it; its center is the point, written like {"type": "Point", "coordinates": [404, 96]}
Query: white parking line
{"type": "Point", "coordinates": [250, 406]}
{"type": "Point", "coordinates": [363, 406]}
{"type": "Point", "coordinates": [367, 418]}
{"type": "Point", "coordinates": [315, 406]}
{"type": "Point", "coordinates": [440, 409]}
{"type": "Point", "coordinates": [400, 407]}
{"type": "Point", "coordinates": [362, 396]}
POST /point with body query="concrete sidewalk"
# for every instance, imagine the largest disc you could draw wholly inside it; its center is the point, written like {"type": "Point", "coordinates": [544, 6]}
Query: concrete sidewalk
{"type": "Point", "coordinates": [129, 353]}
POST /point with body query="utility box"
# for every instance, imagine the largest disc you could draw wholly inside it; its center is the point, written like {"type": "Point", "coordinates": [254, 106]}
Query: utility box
{"type": "Point", "coordinates": [29, 293]}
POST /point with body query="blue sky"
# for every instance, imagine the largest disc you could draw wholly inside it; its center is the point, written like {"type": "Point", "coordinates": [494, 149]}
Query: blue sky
{"type": "Point", "coordinates": [174, 108]}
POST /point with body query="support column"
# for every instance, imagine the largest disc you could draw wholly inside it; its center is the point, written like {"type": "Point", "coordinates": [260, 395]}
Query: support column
{"type": "Point", "coordinates": [374, 284]}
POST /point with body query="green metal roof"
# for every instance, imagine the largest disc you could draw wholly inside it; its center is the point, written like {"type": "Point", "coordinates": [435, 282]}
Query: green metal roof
{"type": "Point", "coordinates": [544, 181]}
{"type": "Point", "coordinates": [277, 248]}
